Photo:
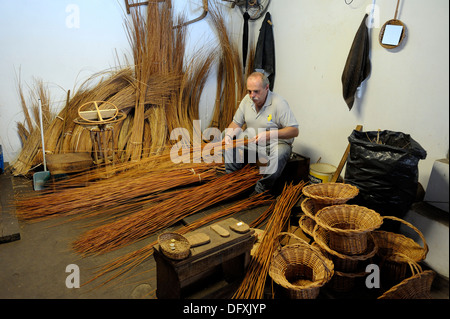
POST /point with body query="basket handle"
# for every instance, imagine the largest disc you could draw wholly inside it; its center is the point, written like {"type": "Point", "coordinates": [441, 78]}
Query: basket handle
{"type": "Point", "coordinates": [425, 246]}
{"type": "Point", "coordinates": [413, 265]}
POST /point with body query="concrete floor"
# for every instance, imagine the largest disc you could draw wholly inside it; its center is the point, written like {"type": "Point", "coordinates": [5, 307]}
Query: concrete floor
{"type": "Point", "coordinates": [34, 266]}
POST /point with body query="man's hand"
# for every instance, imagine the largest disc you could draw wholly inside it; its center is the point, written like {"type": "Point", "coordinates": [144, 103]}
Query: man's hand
{"type": "Point", "coordinates": [227, 139]}
{"type": "Point", "coordinates": [262, 137]}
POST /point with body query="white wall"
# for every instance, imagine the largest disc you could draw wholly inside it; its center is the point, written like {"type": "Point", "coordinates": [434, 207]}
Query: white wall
{"type": "Point", "coordinates": [407, 89]}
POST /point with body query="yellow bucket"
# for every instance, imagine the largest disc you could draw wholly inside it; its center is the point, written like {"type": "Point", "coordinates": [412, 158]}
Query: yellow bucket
{"type": "Point", "coordinates": [321, 173]}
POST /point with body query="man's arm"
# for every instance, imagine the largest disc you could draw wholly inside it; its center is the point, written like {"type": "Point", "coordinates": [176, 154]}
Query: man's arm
{"type": "Point", "coordinates": [284, 133]}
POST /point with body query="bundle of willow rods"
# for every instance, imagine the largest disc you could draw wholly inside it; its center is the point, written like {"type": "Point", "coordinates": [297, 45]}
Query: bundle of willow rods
{"type": "Point", "coordinates": [149, 220]}
{"type": "Point", "coordinates": [109, 193]}
{"type": "Point", "coordinates": [252, 287]}
{"type": "Point", "coordinates": [126, 263]}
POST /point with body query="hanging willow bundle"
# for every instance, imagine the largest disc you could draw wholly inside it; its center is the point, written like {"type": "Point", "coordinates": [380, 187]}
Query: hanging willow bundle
{"type": "Point", "coordinates": [252, 287]}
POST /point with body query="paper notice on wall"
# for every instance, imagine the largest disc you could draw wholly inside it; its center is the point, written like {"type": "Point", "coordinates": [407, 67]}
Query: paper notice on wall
{"type": "Point", "coordinates": [392, 34]}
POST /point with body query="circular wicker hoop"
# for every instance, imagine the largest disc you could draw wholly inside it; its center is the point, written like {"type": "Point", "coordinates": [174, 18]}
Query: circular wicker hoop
{"type": "Point", "coordinates": [300, 268]}
{"type": "Point", "coordinates": [174, 245]}
{"type": "Point", "coordinates": [391, 22]}
{"type": "Point", "coordinates": [331, 193]}
{"type": "Point", "coordinates": [348, 226]}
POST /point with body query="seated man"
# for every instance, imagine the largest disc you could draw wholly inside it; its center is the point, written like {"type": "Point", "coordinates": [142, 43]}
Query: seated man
{"type": "Point", "coordinates": [271, 128]}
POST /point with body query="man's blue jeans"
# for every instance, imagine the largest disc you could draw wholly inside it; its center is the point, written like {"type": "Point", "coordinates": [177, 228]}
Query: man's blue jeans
{"type": "Point", "coordinates": [275, 155]}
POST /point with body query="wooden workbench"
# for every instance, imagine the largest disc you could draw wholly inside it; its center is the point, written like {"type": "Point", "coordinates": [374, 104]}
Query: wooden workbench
{"type": "Point", "coordinates": [222, 261]}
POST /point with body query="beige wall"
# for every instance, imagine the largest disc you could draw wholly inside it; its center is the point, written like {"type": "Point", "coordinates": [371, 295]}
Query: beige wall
{"type": "Point", "coordinates": [407, 89]}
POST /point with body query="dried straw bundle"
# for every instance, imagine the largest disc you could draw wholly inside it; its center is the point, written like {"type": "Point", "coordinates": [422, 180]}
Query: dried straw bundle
{"type": "Point", "coordinates": [252, 287]}
{"type": "Point", "coordinates": [230, 76]}
{"type": "Point", "coordinates": [30, 130]}
{"type": "Point", "coordinates": [149, 220]}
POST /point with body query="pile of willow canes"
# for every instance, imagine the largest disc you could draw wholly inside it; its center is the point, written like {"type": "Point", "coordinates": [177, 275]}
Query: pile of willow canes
{"type": "Point", "coordinates": [252, 287]}
{"type": "Point", "coordinates": [149, 220]}
{"type": "Point", "coordinates": [123, 265]}
{"type": "Point", "coordinates": [99, 196]}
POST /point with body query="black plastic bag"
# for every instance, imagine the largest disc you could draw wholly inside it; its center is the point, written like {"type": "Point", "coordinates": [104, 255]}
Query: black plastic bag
{"type": "Point", "coordinates": [384, 166]}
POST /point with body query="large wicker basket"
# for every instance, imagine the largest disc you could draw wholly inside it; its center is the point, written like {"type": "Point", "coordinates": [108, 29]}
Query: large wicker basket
{"type": "Point", "coordinates": [174, 245]}
{"type": "Point", "coordinates": [330, 193]}
{"type": "Point", "coordinates": [348, 226]}
{"type": "Point", "coordinates": [390, 245]}
{"type": "Point", "coordinates": [342, 262]}
{"type": "Point", "coordinates": [418, 286]}
{"type": "Point", "coordinates": [300, 269]}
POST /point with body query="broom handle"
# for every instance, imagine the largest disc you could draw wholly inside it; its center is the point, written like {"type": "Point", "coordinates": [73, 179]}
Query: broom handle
{"type": "Point", "coordinates": [42, 134]}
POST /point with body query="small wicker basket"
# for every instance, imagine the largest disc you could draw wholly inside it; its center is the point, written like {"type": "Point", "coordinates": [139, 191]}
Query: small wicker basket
{"type": "Point", "coordinates": [348, 226]}
{"type": "Point", "coordinates": [331, 193]}
{"type": "Point", "coordinates": [174, 245]}
{"type": "Point", "coordinates": [300, 269]}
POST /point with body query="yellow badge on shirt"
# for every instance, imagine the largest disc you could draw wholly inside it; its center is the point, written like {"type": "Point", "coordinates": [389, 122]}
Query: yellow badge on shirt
{"type": "Point", "coordinates": [269, 117]}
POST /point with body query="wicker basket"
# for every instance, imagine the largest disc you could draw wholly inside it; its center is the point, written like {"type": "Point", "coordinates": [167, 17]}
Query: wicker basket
{"type": "Point", "coordinates": [300, 269]}
{"type": "Point", "coordinates": [348, 226]}
{"type": "Point", "coordinates": [331, 193]}
{"type": "Point", "coordinates": [174, 245]}
{"type": "Point", "coordinates": [418, 286]}
{"type": "Point", "coordinates": [390, 245]}
{"type": "Point", "coordinates": [345, 282]}
{"type": "Point", "coordinates": [310, 207]}
{"type": "Point", "coordinates": [307, 225]}
{"type": "Point", "coordinates": [342, 262]}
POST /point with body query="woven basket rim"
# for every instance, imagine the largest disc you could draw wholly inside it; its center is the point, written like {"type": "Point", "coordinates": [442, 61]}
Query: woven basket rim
{"type": "Point", "coordinates": [302, 222]}
{"type": "Point", "coordinates": [350, 232]}
{"type": "Point", "coordinates": [308, 204]}
{"type": "Point", "coordinates": [314, 191]}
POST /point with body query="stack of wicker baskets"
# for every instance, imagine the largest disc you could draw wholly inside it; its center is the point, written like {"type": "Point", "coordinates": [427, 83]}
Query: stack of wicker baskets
{"type": "Point", "coordinates": [349, 236]}
{"type": "Point", "coordinates": [343, 232]}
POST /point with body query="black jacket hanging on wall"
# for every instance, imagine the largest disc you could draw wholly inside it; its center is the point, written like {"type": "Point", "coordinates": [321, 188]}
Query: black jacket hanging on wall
{"type": "Point", "coordinates": [357, 67]}
{"type": "Point", "coordinates": [265, 50]}
{"type": "Point", "coordinates": [245, 39]}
